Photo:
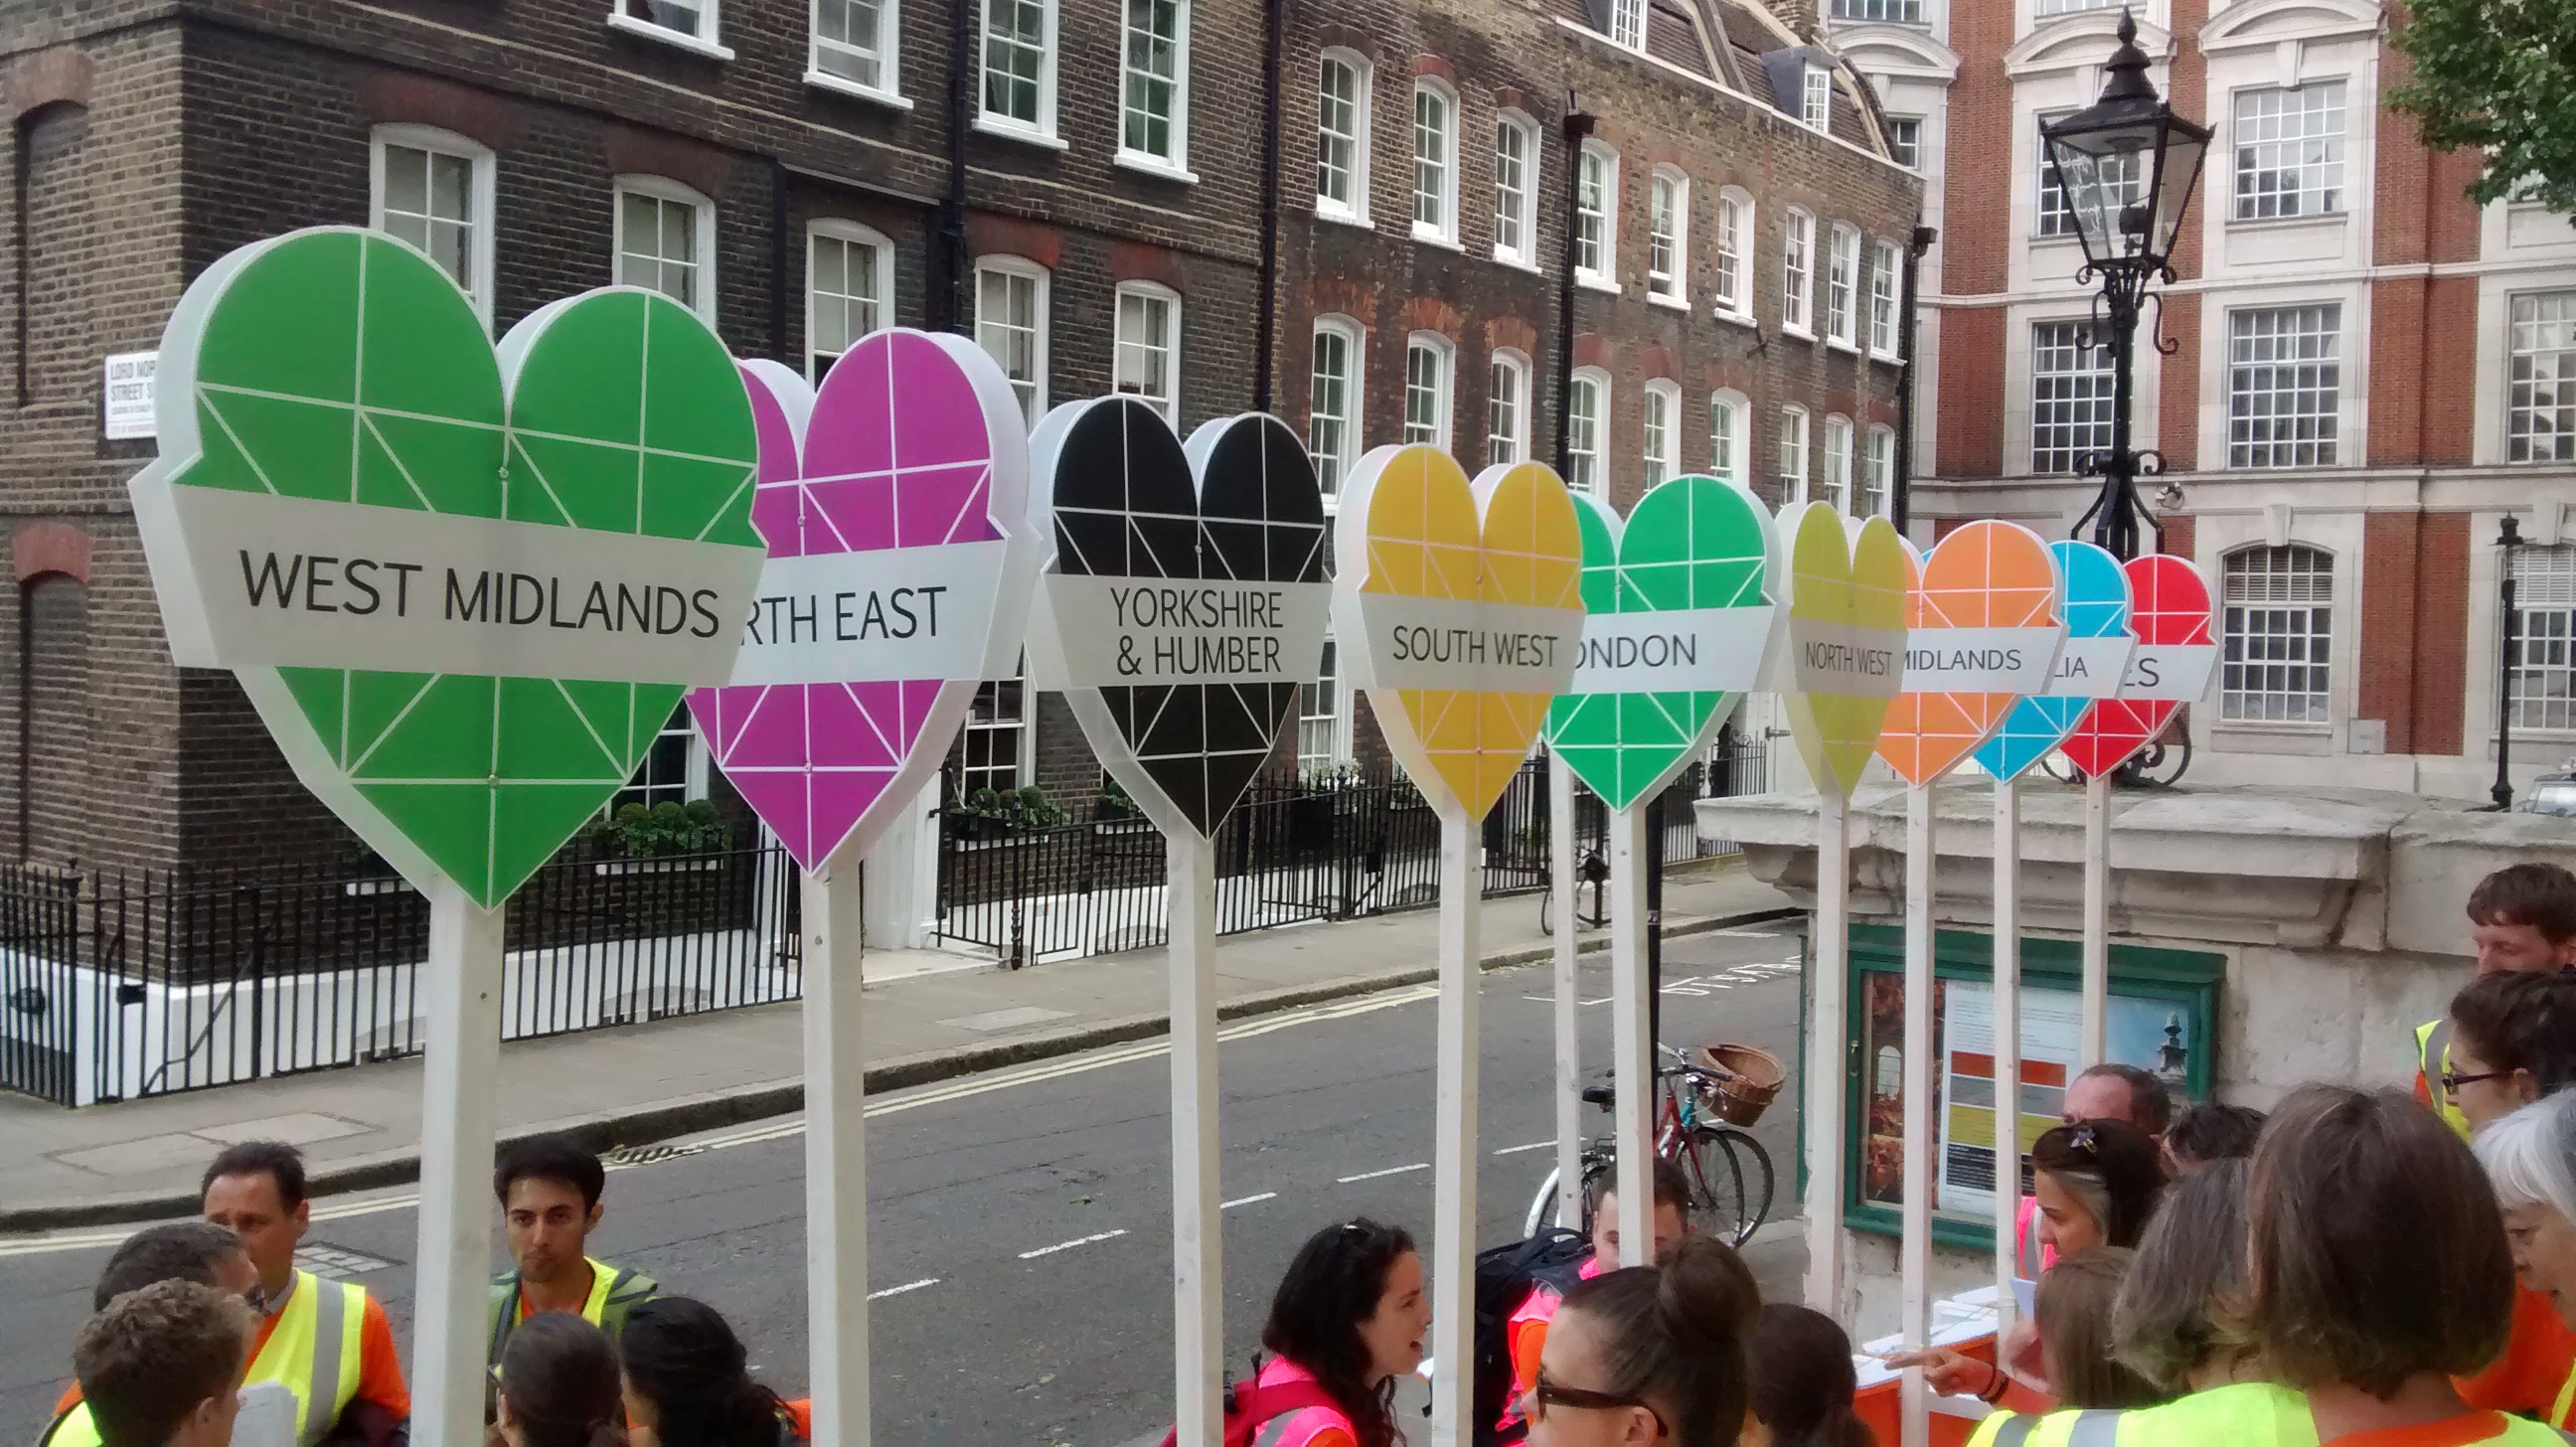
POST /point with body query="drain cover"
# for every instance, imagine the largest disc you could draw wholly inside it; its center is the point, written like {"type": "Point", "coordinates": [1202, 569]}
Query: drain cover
{"type": "Point", "coordinates": [338, 1263]}
{"type": "Point", "coordinates": [647, 1155]}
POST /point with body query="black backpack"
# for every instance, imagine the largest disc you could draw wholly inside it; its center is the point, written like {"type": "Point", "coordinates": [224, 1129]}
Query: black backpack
{"type": "Point", "coordinates": [1505, 1276]}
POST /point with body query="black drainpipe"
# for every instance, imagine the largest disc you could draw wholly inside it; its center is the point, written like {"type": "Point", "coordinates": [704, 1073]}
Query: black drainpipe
{"type": "Point", "coordinates": [944, 299]}
{"type": "Point", "coordinates": [779, 260]}
{"type": "Point", "coordinates": [1274, 22]}
{"type": "Point", "coordinates": [1901, 505]}
{"type": "Point", "coordinates": [1578, 128]}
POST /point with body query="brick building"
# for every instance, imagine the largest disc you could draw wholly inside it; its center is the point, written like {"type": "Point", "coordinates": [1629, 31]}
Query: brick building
{"type": "Point", "coordinates": [1082, 184]}
{"type": "Point", "coordinates": [2368, 377]}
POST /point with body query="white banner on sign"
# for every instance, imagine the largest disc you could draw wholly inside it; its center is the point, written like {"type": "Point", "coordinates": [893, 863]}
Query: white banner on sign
{"type": "Point", "coordinates": [1457, 643]}
{"type": "Point", "coordinates": [873, 617]}
{"type": "Point", "coordinates": [1846, 658]}
{"type": "Point", "coordinates": [127, 396]}
{"type": "Point", "coordinates": [1980, 660]}
{"type": "Point", "coordinates": [1130, 632]}
{"type": "Point", "coordinates": [297, 582]}
{"type": "Point", "coordinates": [1681, 650]}
{"type": "Point", "coordinates": [2090, 667]}
{"type": "Point", "coordinates": [2178, 672]}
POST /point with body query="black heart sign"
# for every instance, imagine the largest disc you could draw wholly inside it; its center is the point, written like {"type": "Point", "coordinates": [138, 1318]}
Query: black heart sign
{"type": "Point", "coordinates": [1186, 601]}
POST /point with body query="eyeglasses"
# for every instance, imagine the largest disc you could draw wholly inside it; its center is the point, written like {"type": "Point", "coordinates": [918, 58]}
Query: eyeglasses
{"type": "Point", "coordinates": [1546, 1393]}
{"type": "Point", "coordinates": [2452, 1080]}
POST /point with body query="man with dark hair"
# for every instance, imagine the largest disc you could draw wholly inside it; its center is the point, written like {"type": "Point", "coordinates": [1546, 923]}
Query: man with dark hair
{"type": "Point", "coordinates": [160, 1366]}
{"type": "Point", "coordinates": [2111, 1091]}
{"type": "Point", "coordinates": [549, 1190]}
{"type": "Point", "coordinates": [194, 1251]}
{"type": "Point", "coordinates": [2522, 920]}
{"type": "Point", "coordinates": [326, 1341]}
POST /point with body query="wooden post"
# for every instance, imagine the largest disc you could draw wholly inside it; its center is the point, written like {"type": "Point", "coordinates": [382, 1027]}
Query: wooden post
{"type": "Point", "coordinates": [2090, 1045]}
{"type": "Point", "coordinates": [460, 1088]}
{"type": "Point", "coordinates": [1453, 1151]}
{"type": "Point", "coordinates": [2007, 1047]}
{"type": "Point", "coordinates": [1828, 1010]}
{"type": "Point", "coordinates": [1198, 1302]}
{"type": "Point", "coordinates": [1569, 1039]}
{"type": "Point", "coordinates": [1632, 1043]}
{"type": "Point", "coordinates": [836, 1157]}
{"type": "Point", "coordinates": [1916, 1256]}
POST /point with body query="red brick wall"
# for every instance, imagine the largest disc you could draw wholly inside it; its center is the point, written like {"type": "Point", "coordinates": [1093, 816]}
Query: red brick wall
{"type": "Point", "coordinates": [1972, 392]}
{"type": "Point", "coordinates": [2441, 633]}
{"type": "Point", "coordinates": [2181, 534]}
{"type": "Point", "coordinates": [1976, 215]}
{"type": "Point", "coordinates": [2412, 653]}
{"type": "Point", "coordinates": [2178, 384]}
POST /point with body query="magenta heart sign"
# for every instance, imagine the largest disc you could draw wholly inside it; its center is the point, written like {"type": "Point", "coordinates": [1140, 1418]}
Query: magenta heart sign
{"type": "Point", "coordinates": [894, 503]}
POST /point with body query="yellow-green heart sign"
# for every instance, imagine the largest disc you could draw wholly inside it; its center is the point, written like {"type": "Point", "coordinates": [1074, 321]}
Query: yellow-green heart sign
{"type": "Point", "coordinates": [1845, 639]}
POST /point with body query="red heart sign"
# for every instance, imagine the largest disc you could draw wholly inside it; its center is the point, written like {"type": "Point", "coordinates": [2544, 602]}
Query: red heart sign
{"type": "Point", "coordinates": [2169, 668]}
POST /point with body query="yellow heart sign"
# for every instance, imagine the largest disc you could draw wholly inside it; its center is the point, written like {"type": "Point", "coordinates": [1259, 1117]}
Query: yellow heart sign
{"type": "Point", "coordinates": [1460, 611]}
{"type": "Point", "coordinates": [1846, 638]}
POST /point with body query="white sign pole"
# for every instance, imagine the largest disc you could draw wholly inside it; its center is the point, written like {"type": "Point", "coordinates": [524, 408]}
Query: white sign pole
{"type": "Point", "coordinates": [2007, 958]}
{"type": "Point", "coordinates": [1916, 1263]}
{"type": "Point", "coordinates": [2091, 1047]}
{"type": "Point", "coordinates": [1632, 1039]}
{"type": "Point", "coordinates": [836, 1156]}
{"type": "Point", "coordinates": [1827, 1013]}
{"type": "Point", "coordinates": [460, 1092]}
{"type": "Point", "coordinates": [1453, 1152]}
{"type": "Point", "coordinates": [1569, 1040]}
{"type": "Point", "coordinates": [1198, 1304]}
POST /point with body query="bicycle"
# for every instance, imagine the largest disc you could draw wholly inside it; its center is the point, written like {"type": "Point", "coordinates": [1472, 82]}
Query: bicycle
{"type": "Point", "coordinates": [1593, 868]}
{"type": "Point", "coordinates": [1728, 1170]}
{"type": "Point", "coordinates": [2160, 765]}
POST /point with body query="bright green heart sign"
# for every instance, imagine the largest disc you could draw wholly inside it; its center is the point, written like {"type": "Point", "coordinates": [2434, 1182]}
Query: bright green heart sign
{"type": "Point", "coordinates": [1678, 613]}
{"type": "Point", "coordinates": [465, 588]}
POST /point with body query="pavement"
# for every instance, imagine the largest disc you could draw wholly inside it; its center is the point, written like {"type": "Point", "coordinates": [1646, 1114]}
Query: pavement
{"type": "Point", "coordinates": [930, 1016]}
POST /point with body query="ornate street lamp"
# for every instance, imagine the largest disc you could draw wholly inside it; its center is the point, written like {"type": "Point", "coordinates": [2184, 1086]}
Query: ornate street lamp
{"type": "Point", "coordinates": [2126, 166]}
{"type": "Point", "coordinates": [2509, 541]}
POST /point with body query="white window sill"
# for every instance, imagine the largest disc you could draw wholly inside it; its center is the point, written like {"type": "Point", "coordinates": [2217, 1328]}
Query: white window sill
{"type": "Point", "coordinates": [1837, 344]}
{"type": "Point", "coordinates": [1594, 281]}
{"type": "Point", "coordinates": [1669, 303]}
{"type": "Point", "coordinates": [1434, 236]}
{"type": "Point", "coordinates": [1738, 318]}
{"type": "Point", "coordinates": [1801, 333]}
{"type": "Point", "coordinates": [1514, 260]}
{"type": "Point", "coordinates": [1889, 358]}
{"type": "Point", "coordinates": [1154, 166]}
{"type": "Point", "coordinates": [677, 39]}
{"type": "Point", "coordinates": [1014, 131]}
{"type": "Point", "coordinates": [840, 85]}
{"type": "Point", "coordinates": [1340, 217]}
{"type": "Point", "coordinates": [2319, 220]}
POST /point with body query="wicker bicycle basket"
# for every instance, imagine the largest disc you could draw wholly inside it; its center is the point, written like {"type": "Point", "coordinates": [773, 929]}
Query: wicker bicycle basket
{"type": "Point", "coordinates": [1747, 1077]}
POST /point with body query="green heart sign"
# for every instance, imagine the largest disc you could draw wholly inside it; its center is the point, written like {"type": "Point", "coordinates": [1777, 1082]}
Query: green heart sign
{"type": "Point", "coordinates": [1677, 616]}
{"type": "Point", "coordinates": [464, 588]}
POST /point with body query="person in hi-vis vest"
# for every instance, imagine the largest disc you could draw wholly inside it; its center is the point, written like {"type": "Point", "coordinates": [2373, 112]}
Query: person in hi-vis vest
{"type": "Point", "coordinates": [2521, 918]}
{"type": "Point", "coordinates": [549, 1191]}
{"type": "Point", "coordinates": [162, 1366]}
{"type": "Point", "coordinates": [326, 1341]}
{"type": "Point", "coordinates": [208, 1255]}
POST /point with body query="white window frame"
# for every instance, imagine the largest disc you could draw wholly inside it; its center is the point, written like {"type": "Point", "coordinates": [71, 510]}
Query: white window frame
{"type": "Point", "coordinates": [1886, 296]}
{"type": "Point", "coordinates": [1662, 456]}
{"type": "Point", "coordinates": [2544, 641]}
{"type": "Point", "coordinates": [1333, 722]}
{"type": "Point", "coordinates": [1444, 193]}
{"type": "Point", "coordinates": [1507, 386]}
{"type": "Point", "coordinates": [1587, 448]}
{"type": "Point", "coordinates": [664, 189]}
{"type": "Point", "coordinates": [634, 18]}
{"type": "Point", "coordinates": [1440, 396]}
{"type": "Point", "coordinates": [1022, 726]}
{"type": "Point", "coordinates": [1816, 98]}
{"type": "Point", "coordinates": [2540, 405]}
{"type": "Point", "coordinates": [1798, 273]}
{"type": "Point", "coordinates": [1605, 275]}
{"type": "Point", "coordinates": [1174, 163]}
{"type": "Point", "coordinates": [1628, 24]}
{"type": "Point", "coordinates": [999, 123]}
{"type": "Point", "coordinates": [2070, 406]}
{"type": "Point", "coordinates": [481, 188]}
{"type": "Point", "coordinates": [1354, 340]}
{"type": "Point", "coordinates": [2332, 193]}
{"type": "Point", "coordinates": [1363, 88]}
{"type": "Point", "coordinates": [1169, 344]}
{"type": "Point", "coordinates": [641, 787]}
{"type": "Point", "coordinates": [1890, 12]}
{"type": "Point", "coordinates": [2325, 447]}
{"type": "Point", "coordinates": [1838, 462]}
{"type": "Point", "coordinates": [1908, 153]}
{"type": "Point", "coordinates": [888, 52]}
{"type": "Point", "coordinates": [849, 233]}
{"type": "Point", "coordinates": [1842, 286]}
{"type": "Point", "coordinates": [1735, 253]}
{"type": "Point", "coordinates": [2052, 219]}
{"type": "Point", "coordinates": [1019, 266]}
{"type": "Point", "coordinates": [1730, 443]}
{"type": "Point", "coordinates": [1793, 461]}
{"type": "Point", "coordinates": [1878, 478]}
{"type": "Point", "coordinates": [1671, 286]}
{"type": "Point", "coordinates": [2304, 652]}
{"type": "Point", "coordinates": [1521, 210]}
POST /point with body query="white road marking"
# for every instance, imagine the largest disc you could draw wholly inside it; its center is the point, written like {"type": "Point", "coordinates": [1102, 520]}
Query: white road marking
{"type": "Point", "coordinates": [1532, 1146]}
{"type": "Point", "coordinates": [900, 1290]}
{"type": "Point", "coordinates": [1247, 1200]}
{"type": "Point", "coordinates": [1069, 1245]}
{"type": "Point", "coordinates": [1742, 933]}
{"type": "Point", "coordinates": [1389, 1171]}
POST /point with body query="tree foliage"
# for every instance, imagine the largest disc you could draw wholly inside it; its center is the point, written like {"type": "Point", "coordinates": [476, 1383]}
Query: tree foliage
{"type": "Point", "coordinates": [2500, 76]}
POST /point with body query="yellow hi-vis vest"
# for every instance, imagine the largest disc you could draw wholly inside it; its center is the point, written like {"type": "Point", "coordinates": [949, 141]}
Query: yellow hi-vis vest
{"type": "Point", "coordinates": [2245, 1414]}
{"type": "Point", "coordinates": [2433, 1056]}
{"type": "Point", "coordinates": [313, 1353]}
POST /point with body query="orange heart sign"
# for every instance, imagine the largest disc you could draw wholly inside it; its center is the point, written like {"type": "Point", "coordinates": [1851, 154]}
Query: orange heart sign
{"type": "Point", "coordinates": [1982, 628]}
{"type": "Point", "coordinates": [1460, 610]}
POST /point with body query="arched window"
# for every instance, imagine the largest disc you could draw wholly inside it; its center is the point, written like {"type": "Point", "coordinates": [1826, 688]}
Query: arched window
{"type": "Point", "coordinates": [1011, 325]}
{"type": "Point", "coordinates": [1587, 413]}
{"type": "Point", "coordinates": [1148, 342]}
{"type": "Point", "coordinates": [1878, 487]}
{"type": "Point", "coordinates": [1596, 217]}
{"type": "Point", "coordinates": [1735, 253]}
{"type": "Point", "coordinates": [433, 188]}
{"type": "Point", "coordinates": [1333, 401]}
{"type": "Point", "coordinates": [1798, 273]}
{"type": "Point", "coordinates": [1342, 136]}
{"type": "Point", "coordinates": [54, 760]}
{"type": "Point", "coordinates": [2277, 635]}
{"type": "Point", "coordinates": [848, 285]}
{"type": "Point", "coordinates": [1838, 463]}
{"type": "Point", "coordinates": [1793, 456]}
{"type": "Point", "coordinates": [665, 241]}
{"type": "Point", "coordinates": [1729, 443]}
{"type": "Point", "coordinates": [1435, 161]}
{"type": "Point", "coordinates": [1668, 236]}
{"type": "Point", "coordinates": [1515, 188]}
{"type": "Point", "coordinates": [1662, 414]}
{"type": "Point", "coordinates": [1427, 370]}
{"type": "Point", "coordinates": [1507, 408]}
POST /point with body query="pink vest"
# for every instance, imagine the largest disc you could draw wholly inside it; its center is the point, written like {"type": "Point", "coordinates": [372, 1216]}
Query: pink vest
{"type": "Point", "coordinates": [1303, 1426]}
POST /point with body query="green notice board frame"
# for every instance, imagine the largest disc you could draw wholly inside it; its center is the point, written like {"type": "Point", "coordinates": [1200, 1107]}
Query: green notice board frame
{"type": "Point", "coordinates": [2181, 985]}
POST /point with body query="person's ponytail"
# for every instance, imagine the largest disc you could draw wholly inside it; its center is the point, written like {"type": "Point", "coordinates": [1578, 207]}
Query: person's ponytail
{"type": "Point", "coordinates": [1803, 1380]}
{"type": "Point", "coordinates": [681, 1357]}
{"type": "Point", "coordinates": [559, 1382]}
{"type": "Point", "coordinates": [1673, 1334]}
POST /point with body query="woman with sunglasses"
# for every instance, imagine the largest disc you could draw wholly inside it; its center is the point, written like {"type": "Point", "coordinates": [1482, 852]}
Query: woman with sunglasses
{"type": "Point", "coordinates": [1349, 1318]}
{"type": "Point", "coordinates": [1650, 1356]}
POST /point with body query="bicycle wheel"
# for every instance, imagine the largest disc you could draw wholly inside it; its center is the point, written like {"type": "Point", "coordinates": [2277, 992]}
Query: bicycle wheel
{"type": "Point", "coordinates": [1730, 1176]}
{"type": "Point", "coordinates": [1543, 1206]}
{"type": "Point", "coordinates": [1547, 914]}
